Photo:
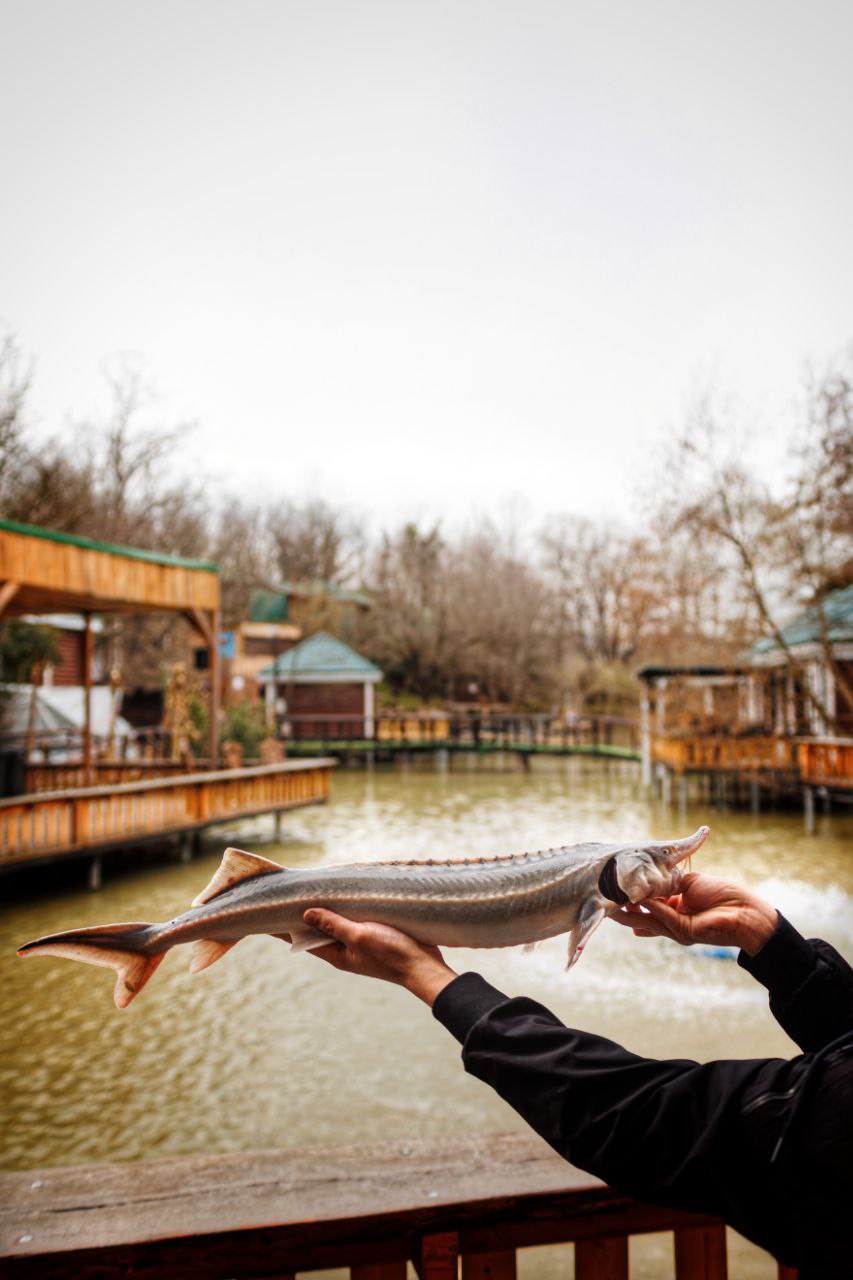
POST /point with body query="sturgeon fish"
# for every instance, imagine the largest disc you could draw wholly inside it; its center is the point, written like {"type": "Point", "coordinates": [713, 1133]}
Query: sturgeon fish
{"type": "Point", "coordinates": [474, 902]}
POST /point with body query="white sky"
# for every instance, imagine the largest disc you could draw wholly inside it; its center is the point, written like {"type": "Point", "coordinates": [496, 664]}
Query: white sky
{"type": "Point", "coordinates": [425, 258]}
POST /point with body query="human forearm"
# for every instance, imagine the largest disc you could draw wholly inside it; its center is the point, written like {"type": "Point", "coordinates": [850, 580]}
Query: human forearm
{"type": "Point", "coordinates": [809, 983]}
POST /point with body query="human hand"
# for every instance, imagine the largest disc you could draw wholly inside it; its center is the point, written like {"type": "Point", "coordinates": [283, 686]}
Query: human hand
{"type": "Point", "coordinates": [378, 951]}
{"type": "Point", "coordinates": [707, 909]}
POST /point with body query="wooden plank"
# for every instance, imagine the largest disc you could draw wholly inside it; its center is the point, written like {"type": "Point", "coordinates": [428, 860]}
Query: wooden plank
{"type": "Point", "coordinates": [700, 1253]}
{"type": "Point", "coordinates": [279, 1211]}
{"type": "Point", "coordinates": [500, 1264]}
{"type": "Point", "coordinates": [605, 1259]}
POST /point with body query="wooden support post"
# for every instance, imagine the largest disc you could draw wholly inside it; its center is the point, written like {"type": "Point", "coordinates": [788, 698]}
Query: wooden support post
{"type": "Point", "coordinates": [605, 1259]}
{"type": "Point", "coordinates": [88, 772]}
{"type": "Point", "coordinates": [700, 1253]}
{"type": "Point", "coordinates": [8, 590]}
{"type": "Point", "coordinates": [95, 870]}
{"type": "Point", "coordinates": [437, 1257]}
{"type": "Point", "coordinates": [499, 1265]}
{"type": "Point", "coordinates": [276, 825]}
{"type": "Point", "coordinates": [754, 795]}
{"type": "Point", "coordinates": [808, 808]}
{"type": "Point", "coordinates": [682, 793]}
{"type": "Point", "coordinates": [186, 847]}
{"type": "Point", "coordinates": [213, 650]}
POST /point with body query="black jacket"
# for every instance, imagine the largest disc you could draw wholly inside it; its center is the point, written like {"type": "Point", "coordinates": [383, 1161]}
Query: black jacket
{"type": "Point", "coordinates": [766, 1144]}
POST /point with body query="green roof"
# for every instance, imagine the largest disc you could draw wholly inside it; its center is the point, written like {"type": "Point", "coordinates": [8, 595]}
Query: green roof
{"type": "Point", "coordinates": [131, 553]}
{"type": "Point", "coordinates": [267, 606]}
{"type": "Point", "coordinates": [320, 655]}
{"type": "Point", "coordinates": [806, 628]}
{"type": "Point", "coordinates": [321, 587]}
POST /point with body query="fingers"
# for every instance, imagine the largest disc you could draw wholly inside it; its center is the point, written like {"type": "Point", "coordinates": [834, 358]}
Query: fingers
{"type": "Point", "coordinates": [337, 927]}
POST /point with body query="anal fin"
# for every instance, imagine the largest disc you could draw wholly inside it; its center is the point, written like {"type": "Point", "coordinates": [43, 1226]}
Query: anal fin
{"type": "Point", "coordinates": [236, 865]}
{"type": "Point", "coordinates": [207, 951]}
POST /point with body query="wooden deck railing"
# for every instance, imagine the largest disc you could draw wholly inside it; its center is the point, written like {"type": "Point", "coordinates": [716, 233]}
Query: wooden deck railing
{"type": "Point", "coordinates": [371, 1209]}
{"type": "Point", "coordinates": [684, 754]}
{"type": "Point", "coordinates": [50, 824]}
{"type": "Point", "coordinates": [59, 777]}
{"type": "Point", "coordinates": [826, 762]}
{"type": "Point", "coordinates": [490, 730]}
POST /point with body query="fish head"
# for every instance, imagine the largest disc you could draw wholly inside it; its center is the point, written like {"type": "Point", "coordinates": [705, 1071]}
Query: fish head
{"type": "Point", "coordinates": [653, 870]}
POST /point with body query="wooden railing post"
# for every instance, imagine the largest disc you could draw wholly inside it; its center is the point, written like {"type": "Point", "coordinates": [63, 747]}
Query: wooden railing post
{"type": "Point", "coordinates": [700, 1253]}
{"type": "Point", "coordinates": [497, 1265]}
{"type": "Point", "coordinates": [605, 1259]}
{"type": "Point", "coordinates": [379, 1271]}
{"type": "Point", "coordinates": [436, 1257]}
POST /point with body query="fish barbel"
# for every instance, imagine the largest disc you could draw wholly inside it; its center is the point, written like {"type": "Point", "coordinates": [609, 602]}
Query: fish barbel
{"type": "Point", "coordinates": [475, 902]}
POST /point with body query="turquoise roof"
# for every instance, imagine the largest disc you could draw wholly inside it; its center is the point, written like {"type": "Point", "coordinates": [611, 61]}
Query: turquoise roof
{"type": "Point", "coordinates": [320, 655]}
{"type": "Point", "coordinates": [806, 627]}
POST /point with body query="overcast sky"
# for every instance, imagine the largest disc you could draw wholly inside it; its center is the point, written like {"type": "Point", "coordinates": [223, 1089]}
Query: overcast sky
{"type": "Point", "coordinates": [425, 258]}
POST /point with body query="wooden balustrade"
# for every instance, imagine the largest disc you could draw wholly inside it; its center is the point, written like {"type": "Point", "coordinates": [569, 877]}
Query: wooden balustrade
{"type": "Point", "coordinates": [436, 1203]}
{"type": "Point", "coordinates": [686, 753]}
{"type": "Point", "coordinates": [60, 777]}
{"type": "Point", "coordinates": [826, 762]}
{"type": "Point", "coordinates": [52, 824]}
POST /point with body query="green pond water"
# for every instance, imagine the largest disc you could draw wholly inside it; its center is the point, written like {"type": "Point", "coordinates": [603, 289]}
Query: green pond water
{"type": "Point", "coordinates": [268, 1050]}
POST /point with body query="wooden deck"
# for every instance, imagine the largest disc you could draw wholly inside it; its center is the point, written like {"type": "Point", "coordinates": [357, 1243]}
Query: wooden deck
{"type": "Point", "coordinates": [369, 1208]}
{"type": "Point", "coordinates": [50, 825]}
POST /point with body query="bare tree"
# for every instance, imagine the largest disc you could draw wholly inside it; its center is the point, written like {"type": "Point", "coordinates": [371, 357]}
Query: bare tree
{"type": "Point", "coordinates": [313, 542]}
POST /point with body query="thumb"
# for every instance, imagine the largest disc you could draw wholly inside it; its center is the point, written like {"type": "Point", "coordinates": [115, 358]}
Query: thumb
{"type": "Point", "coordinates": [337, 927]}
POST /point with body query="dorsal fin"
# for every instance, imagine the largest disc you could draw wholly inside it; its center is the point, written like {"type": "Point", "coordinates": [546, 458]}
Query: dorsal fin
{"type": "Point", "coordinates": [236, 865]}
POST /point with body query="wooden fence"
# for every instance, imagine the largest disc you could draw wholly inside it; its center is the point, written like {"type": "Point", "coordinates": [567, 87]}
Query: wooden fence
{"type": "Point", "coordinates": [686, 754]}
{"type": "Point", "coordinates": [371, 1209]}
{"type": "Point", "coordinates": [51, 824]}
{"type": "Point", "coordinates": [826, 762]}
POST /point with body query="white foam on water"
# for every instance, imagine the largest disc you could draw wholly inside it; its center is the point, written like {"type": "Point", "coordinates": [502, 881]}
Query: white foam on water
{"type": "Point", "coordinates": [817, 912]}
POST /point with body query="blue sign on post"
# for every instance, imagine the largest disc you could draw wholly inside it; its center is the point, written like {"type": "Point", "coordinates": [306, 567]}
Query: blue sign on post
{"type": "Point", "coordinates": [227, 644]}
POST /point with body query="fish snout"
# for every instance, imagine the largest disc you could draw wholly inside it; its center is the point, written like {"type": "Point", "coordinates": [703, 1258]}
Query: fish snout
{"type": "Point", "coordinates": [678, 850]}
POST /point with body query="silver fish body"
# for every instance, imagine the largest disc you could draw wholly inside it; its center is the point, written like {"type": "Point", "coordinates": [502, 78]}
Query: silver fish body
{"type": "Point", "coordinates": [488, 902]}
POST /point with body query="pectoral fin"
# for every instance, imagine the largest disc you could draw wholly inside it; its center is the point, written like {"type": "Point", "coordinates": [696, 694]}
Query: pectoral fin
{"type": "Point", "coordinates": [581, 934]}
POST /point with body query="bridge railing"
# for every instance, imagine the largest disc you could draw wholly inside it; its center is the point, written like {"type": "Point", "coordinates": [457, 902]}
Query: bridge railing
{"type": "Point", "coordinates": [49, 824]}
{"type": "Point", "coordinates": [447, 1206]}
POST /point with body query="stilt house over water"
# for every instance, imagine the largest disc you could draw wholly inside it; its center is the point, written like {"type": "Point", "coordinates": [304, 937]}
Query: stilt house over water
{"type": "Point", "coordinates": [782, 716]}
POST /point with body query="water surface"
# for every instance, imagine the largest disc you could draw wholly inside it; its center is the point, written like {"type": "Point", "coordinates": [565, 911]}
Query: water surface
{"type": "Point", "coordinates": [268, 1050]}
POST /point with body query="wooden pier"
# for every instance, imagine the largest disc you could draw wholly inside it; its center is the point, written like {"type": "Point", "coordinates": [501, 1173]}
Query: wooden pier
{"type": "Point", "coordinates": [372, 1209]}
{"type": "Point", "coordinates": [46, 826]}
{"type": "Point", "coordinates": [484, 734]}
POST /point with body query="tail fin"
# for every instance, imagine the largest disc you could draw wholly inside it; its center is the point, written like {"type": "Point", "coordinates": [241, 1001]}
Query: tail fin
{"type": "Point", "coordinates": [108, 945]}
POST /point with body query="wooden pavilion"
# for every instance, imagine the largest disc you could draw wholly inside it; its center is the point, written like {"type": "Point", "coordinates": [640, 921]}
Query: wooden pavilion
{"type": "Point", "coordinates": [46, 572]}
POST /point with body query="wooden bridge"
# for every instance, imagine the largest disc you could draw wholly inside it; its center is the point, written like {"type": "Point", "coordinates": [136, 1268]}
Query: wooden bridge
{"type": "Point", "coordinates": [428, 732]}
{"type": "Point", "coordinates": [48, 825]}
{"type": "Point", "coordinates": [372, 1209]}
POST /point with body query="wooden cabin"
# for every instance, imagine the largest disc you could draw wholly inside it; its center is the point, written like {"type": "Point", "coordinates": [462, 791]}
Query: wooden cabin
{"type": "Point", "coordinates": [321, 688]}
{"type": "Point", "coordinates": [64, 812]}
{"type": "Point", "coordinates": [786, 710]}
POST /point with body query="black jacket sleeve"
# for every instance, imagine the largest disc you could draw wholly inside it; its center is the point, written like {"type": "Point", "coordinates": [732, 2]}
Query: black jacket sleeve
{"type": "Point", "coordinates": [810, 986]}
{"type": "Point", "coordinates": [635, 1122]}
